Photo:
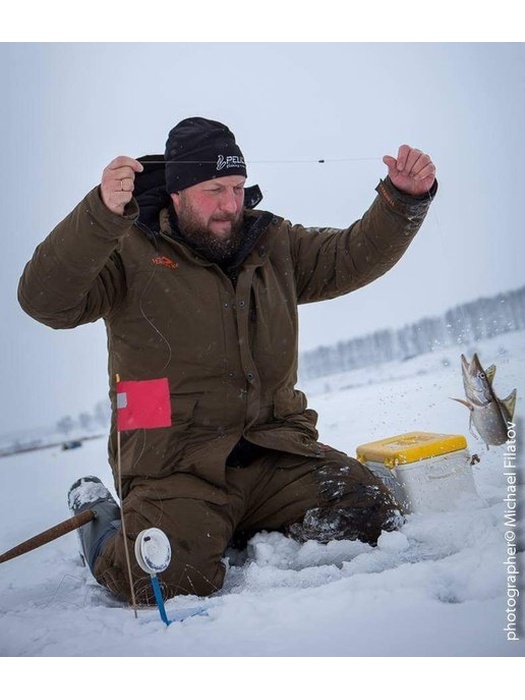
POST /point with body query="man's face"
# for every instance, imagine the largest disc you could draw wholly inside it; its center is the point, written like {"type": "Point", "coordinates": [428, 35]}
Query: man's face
{"type": "Point", "coordinates": [211, 214]}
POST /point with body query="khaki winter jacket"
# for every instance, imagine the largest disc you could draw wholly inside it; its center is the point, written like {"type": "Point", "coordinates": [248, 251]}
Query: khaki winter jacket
{"type": "Point", "coordinates": [229, 352]}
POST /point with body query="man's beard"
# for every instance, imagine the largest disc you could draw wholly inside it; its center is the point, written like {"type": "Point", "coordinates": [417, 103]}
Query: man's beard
{"type": "Point", "coordinates": [215, 248]}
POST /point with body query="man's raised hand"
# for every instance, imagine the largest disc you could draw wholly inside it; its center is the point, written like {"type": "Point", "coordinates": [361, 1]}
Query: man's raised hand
{"type": "Point", "coordinates": [118, 182]}
{"type": "Point", "coordinates": [413, 172]}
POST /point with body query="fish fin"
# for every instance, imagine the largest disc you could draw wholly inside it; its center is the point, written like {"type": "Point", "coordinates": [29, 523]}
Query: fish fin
{"type": "Point", "coordinates": [490, 372]}
{"type": "Point", "coordinates": [510, 402]}
{"type": "Point", "coordinates": [465, 403]}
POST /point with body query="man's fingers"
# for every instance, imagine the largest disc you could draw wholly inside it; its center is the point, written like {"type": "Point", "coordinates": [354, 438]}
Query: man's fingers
{"type": "Point", "coordinates": [125, 161]}
{"type": "Point", "coordinates": [422, 167]}
{"type": "Point", "coordinates": [127, 184]}
{"type": "Point", "coordinates": [412, 159]}
{"type": "Point", "coordinates": [402, 156]}
{"type": "Point", "coordinates": [413, 172]}
{"type": "Point", "coordinates": [118, 182]}
{"type": "Point", "coordinates": [390, 162]}
{"type": "Point", "coordinates": [119, 173]}
{"type": "Point", "coordinates": [124, 184]}
{"type": "Point", "coordinates": [428, 170]}
{"type": "Point", "coordinates": [121, 170]}
{"type": "Point", "coordinates": [414, 163]}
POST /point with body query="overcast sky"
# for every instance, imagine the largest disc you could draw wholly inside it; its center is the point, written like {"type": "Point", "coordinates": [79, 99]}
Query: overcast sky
{"type": "Point", "coordinates": [68, 109]}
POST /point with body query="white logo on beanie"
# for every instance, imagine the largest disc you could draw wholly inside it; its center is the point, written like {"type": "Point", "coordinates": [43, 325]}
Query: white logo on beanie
{"type": "Point", "coordinates": [230, 162]}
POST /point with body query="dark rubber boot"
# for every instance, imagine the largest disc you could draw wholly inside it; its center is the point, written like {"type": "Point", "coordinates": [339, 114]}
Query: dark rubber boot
{"type": "Point", "coordinates": [90, 493]}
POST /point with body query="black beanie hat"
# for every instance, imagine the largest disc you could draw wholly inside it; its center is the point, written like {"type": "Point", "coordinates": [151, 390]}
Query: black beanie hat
{"type": "Point", "coordinates": [200, 149]}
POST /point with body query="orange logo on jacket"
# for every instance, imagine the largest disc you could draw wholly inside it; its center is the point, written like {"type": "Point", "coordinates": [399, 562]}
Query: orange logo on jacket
{"type": "Point", "coordinates": [165, 262]}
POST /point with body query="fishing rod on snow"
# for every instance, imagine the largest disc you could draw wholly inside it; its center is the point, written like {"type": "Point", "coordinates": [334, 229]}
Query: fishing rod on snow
{"type": "Point", "coordinates": [49, 535]}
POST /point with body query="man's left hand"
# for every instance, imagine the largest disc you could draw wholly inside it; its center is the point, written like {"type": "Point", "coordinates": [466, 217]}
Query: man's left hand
{"type": "Point", "coordinates": [413, 172]}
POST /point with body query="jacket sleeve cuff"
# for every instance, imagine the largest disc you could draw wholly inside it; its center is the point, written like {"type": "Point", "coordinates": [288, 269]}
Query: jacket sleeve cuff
{"type": "Point", "coordinates": [400, 200]}
{"type": "Point", "coordinates": [107, 219]}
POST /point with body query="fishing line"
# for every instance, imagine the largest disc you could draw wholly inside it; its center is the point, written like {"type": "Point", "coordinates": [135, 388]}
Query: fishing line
{"type": "Point", "coordinates": [54, 596]}
{"type": "Point", "coordinates": [123, 526]}
{"type": "Point", "coordinates": [304, 161]}
{"type": "Point", "coordinates": [170, 350]}
{"type": "Point", "coordinates": [309, 160]}
{"type": "Point", "coordinates": [446, 257]}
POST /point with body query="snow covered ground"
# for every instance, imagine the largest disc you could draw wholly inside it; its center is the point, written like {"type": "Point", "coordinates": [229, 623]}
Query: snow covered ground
{"type": "Point", "coordinates": [438, 589]}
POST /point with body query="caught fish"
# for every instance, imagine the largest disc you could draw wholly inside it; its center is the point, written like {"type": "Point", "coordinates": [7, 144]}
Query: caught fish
{"type": "Point", "coordinates": [488, 414]}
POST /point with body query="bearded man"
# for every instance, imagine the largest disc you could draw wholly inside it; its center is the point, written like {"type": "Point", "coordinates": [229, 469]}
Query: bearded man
{"type": "Point", "coordinates": [200, 289]}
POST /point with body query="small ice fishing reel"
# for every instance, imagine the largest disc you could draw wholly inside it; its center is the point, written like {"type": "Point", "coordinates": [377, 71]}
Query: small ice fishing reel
{"type": "Point", "coordinates": [153, 554]}
{"type": "Point", "coordinates": [152, 551]}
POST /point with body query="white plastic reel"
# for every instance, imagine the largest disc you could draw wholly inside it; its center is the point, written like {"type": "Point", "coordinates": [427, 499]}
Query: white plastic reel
{"type": "Point", "coordinates": [152, 551]}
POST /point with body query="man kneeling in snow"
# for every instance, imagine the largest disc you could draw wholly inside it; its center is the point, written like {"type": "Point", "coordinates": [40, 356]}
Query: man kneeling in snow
{"type": "Point", "coordinates": [199, 289]}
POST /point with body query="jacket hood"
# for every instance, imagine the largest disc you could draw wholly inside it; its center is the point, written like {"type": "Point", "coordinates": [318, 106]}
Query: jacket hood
{"type": "Point", "coordinates": [152, 196]}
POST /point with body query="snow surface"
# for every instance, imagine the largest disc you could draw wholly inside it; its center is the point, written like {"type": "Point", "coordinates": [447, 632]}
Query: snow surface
{"type": "Point", "coordinates": [437, 588]}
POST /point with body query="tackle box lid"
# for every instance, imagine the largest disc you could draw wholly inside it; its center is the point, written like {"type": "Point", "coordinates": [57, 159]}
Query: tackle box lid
{"type": "Point", "coordinates": [409, 447]}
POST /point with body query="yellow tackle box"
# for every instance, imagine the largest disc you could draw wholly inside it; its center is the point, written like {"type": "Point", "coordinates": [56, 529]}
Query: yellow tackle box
{"type": "Point", "coordinates": [434, 469]}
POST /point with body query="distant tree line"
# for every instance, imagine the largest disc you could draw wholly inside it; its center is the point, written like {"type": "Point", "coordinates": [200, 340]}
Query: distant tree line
{"type": "Point", "coordinates": [470, 322]}
{"type": "Point", "coordinates": [69, 428]}
{"type": "Point", "coordinates": [85, 421]}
